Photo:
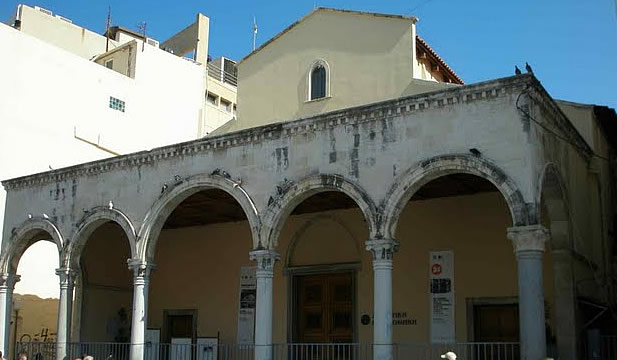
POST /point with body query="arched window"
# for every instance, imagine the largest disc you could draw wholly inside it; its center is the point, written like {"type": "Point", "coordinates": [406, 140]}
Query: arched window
{"type": "Point", "coordinates": [318, 77]}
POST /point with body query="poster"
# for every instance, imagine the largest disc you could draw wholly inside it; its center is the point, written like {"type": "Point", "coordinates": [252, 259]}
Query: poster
{"type": "Point", "coordinates": [246, 309]}
{"type": "Point", "coordinates": [441, 293]}
{"type": "Point", "coordinates": [207, 348]}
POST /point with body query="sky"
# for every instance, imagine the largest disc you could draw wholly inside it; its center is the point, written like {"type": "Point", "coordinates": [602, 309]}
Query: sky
{"type": "Point", "coordinates": [571, 45]}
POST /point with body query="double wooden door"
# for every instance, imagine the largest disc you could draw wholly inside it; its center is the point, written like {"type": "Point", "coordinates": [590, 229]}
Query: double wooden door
{"type": "Point", "coordinates": [324, 308]}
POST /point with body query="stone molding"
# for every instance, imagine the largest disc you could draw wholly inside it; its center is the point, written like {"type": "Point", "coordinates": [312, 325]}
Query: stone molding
{"type": "Point", "coordinates": [89, 223]}
{"type": "Point", "coordinates": [382, 250]}
{"type": "Point", "coordinates": [8, 281]}
{"type": "Point", "coordinates": [141, 269]}
{"type": "Point", "coordinates": [530, 238]}
{"type": "Point", "coordinates": [67, 277]}
{"type": "Point", "coordinates": [21, 236]}
{"type": "Point", "coordinates": [290, 196]}
{"type": "Point", "coordinates": [355, 115]}
{"type": "Point", "coordinates": [426, 170]}
{"type": "Point", "coordinates": [182, 188]}
{"type": "Point", "coordinates": [266, 259]}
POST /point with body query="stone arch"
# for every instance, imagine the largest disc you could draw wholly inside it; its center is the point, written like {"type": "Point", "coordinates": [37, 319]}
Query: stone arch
{"type": "Point", "coordinates": [92, 220]}
{"type": "Point", "coordinates": [311, 222]}
{"type": "Point", "coordinates": [173, 196]}
{"type": "Point", "coordinates": [293, 193]}
{"type": "Point", "coordinates": [552, 188]}
{"type": "Point", "coordinates": [552, 192]}
{"type": "Point", "coordinates": [425, 171]}
{"type": "Point", "coordinates": [25, 235]}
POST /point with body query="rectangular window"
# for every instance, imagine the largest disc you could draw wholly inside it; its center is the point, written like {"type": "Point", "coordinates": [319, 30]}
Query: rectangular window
{"type": "Point", "coordinates": [226, 104]}
{"type": "Point", "coordinates": [116, 104]}
{"type": "Point", "coordinates": [109, 64]}
{"type": "Point", "coordinates": [212, 99]}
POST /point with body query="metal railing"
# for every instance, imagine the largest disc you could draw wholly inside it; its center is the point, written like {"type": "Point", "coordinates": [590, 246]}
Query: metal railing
{"type": "Point", "coordinates": [38, 350]}
{"type": "Point", "coordinates": [99, 350]}
{"type": "Point", "coordinates": [215, 72]}
{"type": "Point", "coordinates": [287, 351]}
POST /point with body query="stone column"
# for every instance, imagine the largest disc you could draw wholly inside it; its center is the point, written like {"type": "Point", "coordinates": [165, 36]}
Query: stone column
{"type": "Point", "coordinates": [66, 276]}
{"type": "Point", "coordinates": [382, 251]}
{"type": "Point", "coordinates": [528, 244]}
{"type": "Point", "coordinates": [7, 284]}
{"type": "Point", "coordinates": [141, 280]}
{"type": "Point", "coordinates": [263, 318]}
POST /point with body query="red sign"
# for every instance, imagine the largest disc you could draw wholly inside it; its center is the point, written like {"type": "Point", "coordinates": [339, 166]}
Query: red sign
{"type": "Point", "coordinates": [436, 269]}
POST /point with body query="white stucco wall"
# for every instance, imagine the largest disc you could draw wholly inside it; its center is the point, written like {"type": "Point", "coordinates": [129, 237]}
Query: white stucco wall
{"type": "Point", "coordinates": [48, 94]}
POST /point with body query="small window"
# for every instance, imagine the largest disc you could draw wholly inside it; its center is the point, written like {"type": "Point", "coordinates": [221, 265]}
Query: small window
{"type": "Point", "coordinates": [109, 64]}
{"type": "Point", "coordinates": [116, 104]}
{"type": "Point", "coordinates": [319, 80]}
{"type": "Point", "coordinates": [226, 104]}
{"type": "Point", "coordinates": [212, 99]}
{"type": "Point", "coordinates": [235, 108]}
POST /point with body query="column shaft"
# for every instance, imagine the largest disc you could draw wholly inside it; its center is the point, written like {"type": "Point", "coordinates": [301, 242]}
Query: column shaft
{"type": "Point", "coordinates": [64, 311]}
{"type": "Point", "coordinates": [141, 281]}
{"type": "Point", "coordinates": [263, 317]}
{"type": "Point", "coordinates": [528, 244]}
{"type": "Point", "coordinates": [7, 282]}
{"type": "Point", "coordinates": [382, 251]}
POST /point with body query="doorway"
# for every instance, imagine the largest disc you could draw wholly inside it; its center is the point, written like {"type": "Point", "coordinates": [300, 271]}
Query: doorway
{"type": "Point", "coordinates": [179, 332]}
{"type": "Point", "coordinates": [324, 308]}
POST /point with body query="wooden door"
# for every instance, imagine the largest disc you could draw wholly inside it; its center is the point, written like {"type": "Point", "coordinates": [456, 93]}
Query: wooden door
{"type": "Point", "coordinates": [497, 323]}
{"type": "Point", "coordinates": [325, 308]}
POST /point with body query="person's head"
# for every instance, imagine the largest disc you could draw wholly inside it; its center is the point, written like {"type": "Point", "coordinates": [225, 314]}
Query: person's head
{"type": "Point", "coordinates": [449, 356]}
{"type": "Point", "coordinates": [22, 357]}
{"type": "Point", "coordinates": [88, 357]}
{"type": "Point", "coordinates": [77, 358]}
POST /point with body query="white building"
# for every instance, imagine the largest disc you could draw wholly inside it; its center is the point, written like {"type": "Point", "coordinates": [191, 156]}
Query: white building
{"type": "Point", "coordinates": [71, 95]}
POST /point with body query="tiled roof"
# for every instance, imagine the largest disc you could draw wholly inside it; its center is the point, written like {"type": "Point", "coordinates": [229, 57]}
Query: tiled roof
{"type": "Point", "coordinates": [420, 43]}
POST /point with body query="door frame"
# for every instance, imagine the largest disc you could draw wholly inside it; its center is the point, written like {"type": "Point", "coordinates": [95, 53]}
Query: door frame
{"type": "Point", "coordinates": [179, 312]}
{"type": "Point", "coordinates": [473, 302]}
{"type": "Point", "coordinates": [293, 272]}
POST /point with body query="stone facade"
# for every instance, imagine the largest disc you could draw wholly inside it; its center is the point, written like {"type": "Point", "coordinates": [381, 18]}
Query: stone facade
{"type": "Point", "coordinates": [379, 155]}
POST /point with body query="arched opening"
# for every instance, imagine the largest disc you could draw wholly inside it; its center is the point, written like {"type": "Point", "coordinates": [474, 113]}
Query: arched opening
{"type": "Point", "coordinates": [455, 275]}
{"type": "Point", "coordinates": [202, 289]}
{"type": "Point", "coordinates": [325, 278]}
{"type": "Point", "coordinates": [34, 257]}
{"type": "Point", "coordinates": [319, 80]}
{"type": "Point", "coordinates": [569, 281]}
{"type": "Point", "coordinates": [103, 290]}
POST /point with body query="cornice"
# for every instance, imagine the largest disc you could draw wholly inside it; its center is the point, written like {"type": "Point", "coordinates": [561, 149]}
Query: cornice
{"type": "Point", "coordinates": [414, 104]}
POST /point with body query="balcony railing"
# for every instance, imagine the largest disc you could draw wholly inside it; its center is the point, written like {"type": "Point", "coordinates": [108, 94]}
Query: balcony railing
{"type": "Point", "coordinates": [216, 72]}
{"type": "Point", "coordinates": [303, 351]}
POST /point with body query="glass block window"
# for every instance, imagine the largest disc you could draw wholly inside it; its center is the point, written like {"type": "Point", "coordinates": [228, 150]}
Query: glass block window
{"type": "Point", "coordinates": [116, 104]}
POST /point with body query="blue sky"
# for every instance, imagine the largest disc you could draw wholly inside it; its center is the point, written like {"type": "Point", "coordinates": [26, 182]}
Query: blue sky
{"type": "Point", "coordinates": [572, 45]}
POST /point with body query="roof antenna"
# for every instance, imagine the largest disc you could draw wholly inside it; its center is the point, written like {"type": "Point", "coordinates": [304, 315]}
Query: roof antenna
{"type": "Point", "coordinates": [107, 26]}
{"type": "Point", "coordinates": [254, 31]}
{"type": "Point", "coordinates": [142, 26]}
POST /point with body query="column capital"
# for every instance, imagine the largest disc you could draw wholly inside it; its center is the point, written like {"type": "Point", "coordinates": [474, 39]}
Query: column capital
{"type": "Point", "coordinates": [141, 269]}
{"type": "Point", "coordinates": [528, 238]}
{"type": "Point", "coordinates": [8, 281]}
{"type": "Point", "coordinates": [265, 260]}
{"type": "Point", "coordinates": [382, 249]}
{"type": "Point", "coordinates": [66, 275]}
